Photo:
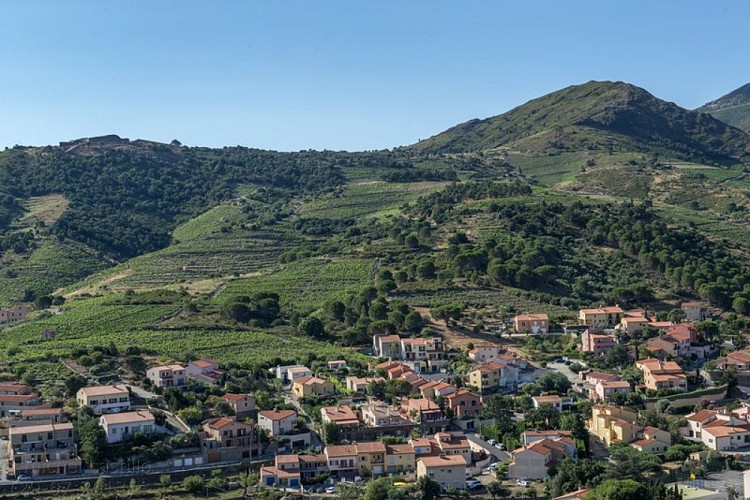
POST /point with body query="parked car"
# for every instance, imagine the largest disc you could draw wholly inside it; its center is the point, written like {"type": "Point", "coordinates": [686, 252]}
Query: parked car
{"type": "Point", "coordinates": [493, 466]}
{"type": "Point", "coordinates": [331, 489]}
{"type": "Point", "coordinates": [500, 446]}
{"type": "Point", "coordinates": [522, 482]}
{"type": "Point", "coordinates": [23, 477]}
{"type": "Point", "coordinates": [474, 485]}
{"type": "Point", "coordinates": [492, 442]}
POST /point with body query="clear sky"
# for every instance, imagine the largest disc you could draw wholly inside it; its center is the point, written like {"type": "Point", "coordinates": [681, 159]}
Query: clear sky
{"type": "Point", "coordinates": [348, 74]}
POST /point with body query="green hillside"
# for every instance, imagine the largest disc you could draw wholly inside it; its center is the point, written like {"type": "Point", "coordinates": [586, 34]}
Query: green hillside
{"type": "Point", "coordinates": [609, 116]}
{"type": "Point", "coordinates": [733, 108]}
{"type": "Point", "coordinates": [599, 193]}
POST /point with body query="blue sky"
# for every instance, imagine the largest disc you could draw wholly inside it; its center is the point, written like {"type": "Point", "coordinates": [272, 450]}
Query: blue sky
{"type": "Point", "coordinates": [351, 74]}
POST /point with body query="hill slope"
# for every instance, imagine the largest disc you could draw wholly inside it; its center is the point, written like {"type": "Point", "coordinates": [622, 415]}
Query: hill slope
{"type": "Point", "coordinates": [598, 115]}
{"type": "Point", "coordinates": [733, 108]}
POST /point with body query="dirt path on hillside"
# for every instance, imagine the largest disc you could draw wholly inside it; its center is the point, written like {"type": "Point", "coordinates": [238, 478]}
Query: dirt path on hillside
{"type": "Point", "coordinates": [459, 338]}
{"type": "Point", "coordinates": [94, 287]}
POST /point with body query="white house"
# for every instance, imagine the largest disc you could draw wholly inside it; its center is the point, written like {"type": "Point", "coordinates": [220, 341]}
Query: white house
{"type": "Point", "coordinates": [277, 422]}
{"type": "Point", "coordinates": [121, 426]}
{"type": "Point", "coordinates": [105, 398]}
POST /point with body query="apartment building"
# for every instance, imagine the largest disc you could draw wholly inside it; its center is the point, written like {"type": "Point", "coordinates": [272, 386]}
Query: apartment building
{"type": "Point", "coordinates": [596, 342]}
{"type": "Point", "coordinates": [464, 404]}
{"type": "Point", "coordinates": [226, 439]}
{"type": "Point", "coordinates": [43, 450]}
{"type": "Point", "coordinates": [603, 317]}
{"type": "Point", "coordinates": [534, 460]}
{"type": "Point", "coordinates": [658, 375]}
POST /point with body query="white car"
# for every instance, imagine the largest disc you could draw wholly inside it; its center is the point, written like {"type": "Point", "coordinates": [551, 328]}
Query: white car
{"type": "Point", "coordinates": [492, 442]}
{"type": "Point", "coordinates": [493, 466]}
{"type": "Point", "coordinates": [331, 489]}
{"type": "Point", "coordinates": [500, 446]}
{"type": "Point", "coordinates": [522, 482]}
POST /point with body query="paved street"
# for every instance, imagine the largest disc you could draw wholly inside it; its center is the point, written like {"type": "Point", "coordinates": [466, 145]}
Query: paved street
{"type": "Point", "coordinates": [497, 454]}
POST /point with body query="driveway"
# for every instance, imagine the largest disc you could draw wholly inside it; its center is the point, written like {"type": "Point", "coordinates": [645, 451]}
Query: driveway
{"type": "Point", "coordinates": [497, 454]}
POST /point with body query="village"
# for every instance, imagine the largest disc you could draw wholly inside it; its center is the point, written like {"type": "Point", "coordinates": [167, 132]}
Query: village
{"type": "Point", "coordinates": [483, 420]}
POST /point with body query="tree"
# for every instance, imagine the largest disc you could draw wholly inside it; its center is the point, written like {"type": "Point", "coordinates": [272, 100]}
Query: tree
{"type": "Point", "coordinates": [93, 439]}
{"type": "Point", "coordinates": [676, 315]}
{"type": "Point", "coordinates": [496, 489]}
{"type": "Point", "coordinates": [413, 321]}
{"type": "Point", "coordinates": [729, 376]}
{"type": "Point", "coordinates": [135, 364]}
{"type": "Point", "coordinates": [331, 433]}
{"type": "Point", "coordinates": [571, 475]}
{"type": "Point", "coordinates": [312, 327]}
{"type": "Point", "coordinates": [238, 312]}
{"type": "Point", "coordinates": [628, 463]}
{"type": "Point", "coordinates": [194, 484]}
{"type": "Point", "coordinates": [573, 422]}
{"type": "Point", "coordinates": [447, 311]}
{"type": "Point", "coordinates": [625, 489]}
{"type": "Point", "coordinates": [43, 302]}
{"type": "Point", "coordinates": [383, 489]}
{"type": "Point", "coordinates": [73, 383]}
{"type": "Point", "coordinates": [429, 489]}
{"type": "Point", "coordinates": [412, 240]}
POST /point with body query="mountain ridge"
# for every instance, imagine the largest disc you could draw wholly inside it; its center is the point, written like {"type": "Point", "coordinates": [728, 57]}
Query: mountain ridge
{"type": "Point", "coordinates": [598, 115]}
{"type": "Point", "coordinates": [732, 108]}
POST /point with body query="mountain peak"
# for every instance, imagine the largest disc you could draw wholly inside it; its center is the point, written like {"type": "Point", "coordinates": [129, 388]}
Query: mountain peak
{"type": "Point", "coordinates": [597, 115]}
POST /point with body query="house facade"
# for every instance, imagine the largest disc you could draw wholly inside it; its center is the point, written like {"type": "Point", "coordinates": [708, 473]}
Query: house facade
{"type": "Point", "coordinates": [242, 404]}
{"type": "Point", "coordinates": [43, 450]}
{"type": "Point", "coordinates": [448, 471]}
{"type": "Point", "coordinates": [226, 439]}
{"type": "Point", "coordinates": [602, 317]}
{"type": "Point", "coordinates": [596, 342]}
{"type": "Point", "coordinates": [105, 398]}
{"type": "Point", "coordinates": [167, 376]}
{"type": "Point", "coordinates": [121, 426]}
{"type": "Point", "coordinates": [531, 323]}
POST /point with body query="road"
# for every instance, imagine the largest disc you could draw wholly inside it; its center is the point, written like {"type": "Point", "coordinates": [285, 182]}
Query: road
{"type": "Point", "coordinates": [146, 396]}
{"type": "Point", "coordinates": [314, 437]}
{"type": "Point", "coordinates": [497, 454]}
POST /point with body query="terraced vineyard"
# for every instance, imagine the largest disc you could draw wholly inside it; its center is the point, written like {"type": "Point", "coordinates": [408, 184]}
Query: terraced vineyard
{"type": "Point", "coordinates": [306, 285]}
{"type": "Point", "coordinates": [53, 262]}
{"type": "Point", "coordinates": [99, 321]}
{"type": "Point", "coordinates": [235, 252]}
{"type": "Point", "coordinates": [370, 199]}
